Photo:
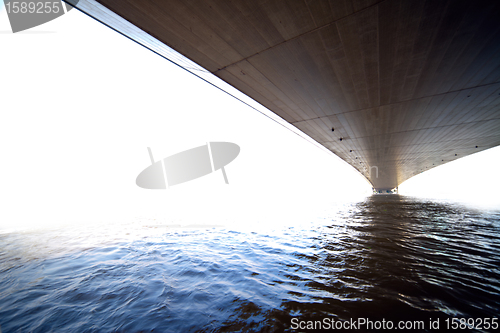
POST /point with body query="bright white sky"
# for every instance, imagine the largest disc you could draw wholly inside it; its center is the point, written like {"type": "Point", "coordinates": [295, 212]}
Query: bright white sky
{"type": "Point", "coordinates": [80, 104]}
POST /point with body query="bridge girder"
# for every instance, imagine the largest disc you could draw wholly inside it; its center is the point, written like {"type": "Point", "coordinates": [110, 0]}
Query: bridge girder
{"type": "Point", "coordinates": [397, 87]}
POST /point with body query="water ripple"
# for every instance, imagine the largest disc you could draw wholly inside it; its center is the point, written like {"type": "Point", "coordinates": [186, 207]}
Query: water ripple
{"type": "Point", "coordinates": [389, 257]}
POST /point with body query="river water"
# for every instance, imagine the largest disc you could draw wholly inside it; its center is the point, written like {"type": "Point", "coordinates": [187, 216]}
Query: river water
{"type": "Point", "coordinates": [387, 260]}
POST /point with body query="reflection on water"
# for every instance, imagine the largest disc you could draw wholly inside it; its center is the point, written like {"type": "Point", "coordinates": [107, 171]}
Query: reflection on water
{"type": "Point", "coordinates": [388, 257]}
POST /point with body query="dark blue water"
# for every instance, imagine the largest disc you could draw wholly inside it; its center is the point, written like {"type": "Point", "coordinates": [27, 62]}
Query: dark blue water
{"type": "Point", "coordinates": [389, 258]}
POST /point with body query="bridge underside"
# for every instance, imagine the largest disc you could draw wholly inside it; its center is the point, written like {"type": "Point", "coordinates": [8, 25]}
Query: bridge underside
{"type": "Point", "coordinates": [392, 87]}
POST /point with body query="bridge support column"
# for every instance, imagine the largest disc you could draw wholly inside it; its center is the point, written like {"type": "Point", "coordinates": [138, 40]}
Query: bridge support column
{"type": "Point", "coordinates": [385, 190]}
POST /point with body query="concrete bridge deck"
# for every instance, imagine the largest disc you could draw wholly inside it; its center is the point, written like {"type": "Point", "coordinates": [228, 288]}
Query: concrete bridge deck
{"type": "Point", "coordinates": [392, 87]}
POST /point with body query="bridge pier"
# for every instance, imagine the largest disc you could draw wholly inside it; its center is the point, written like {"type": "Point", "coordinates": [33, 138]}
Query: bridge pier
{"type": "Point", "coordinates": [394, 190]}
